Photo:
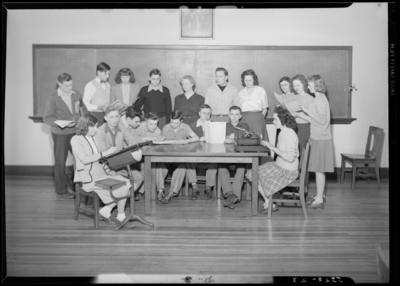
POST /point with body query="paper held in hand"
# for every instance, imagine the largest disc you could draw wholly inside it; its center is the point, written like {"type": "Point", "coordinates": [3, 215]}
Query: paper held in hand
{"type": "Point", "coordinates": [119, 105]}
{"type": "Point", "coordinates": [289, 101]}
{"type": "Point", "coordinates": [215, 132]}
{"type": "Point", "coordinates": [63, 123]}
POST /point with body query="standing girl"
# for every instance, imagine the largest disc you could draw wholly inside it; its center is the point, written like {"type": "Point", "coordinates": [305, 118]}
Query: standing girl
{"type": "Point", "coordinates": [321, 152]}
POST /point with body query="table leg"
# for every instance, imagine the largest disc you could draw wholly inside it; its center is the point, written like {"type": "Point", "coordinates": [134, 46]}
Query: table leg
{"type": "Point", "coordinates": [254, 186]}
{"type": "Point", "coordinates": [147, 185]}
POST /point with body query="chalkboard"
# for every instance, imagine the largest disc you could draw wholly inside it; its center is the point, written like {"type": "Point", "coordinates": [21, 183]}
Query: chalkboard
{"type": "Point", "coordinates": [333, 63]}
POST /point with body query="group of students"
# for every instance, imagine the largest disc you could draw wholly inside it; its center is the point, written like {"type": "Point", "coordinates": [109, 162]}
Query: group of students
{"type": "Point", "coordinates": [149, 116]}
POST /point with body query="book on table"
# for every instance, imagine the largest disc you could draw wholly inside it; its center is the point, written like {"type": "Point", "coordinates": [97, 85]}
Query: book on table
{"type": "Point", "coordinates": [119, 105]}
{"type": "Point", "coordinates": [110, 184]}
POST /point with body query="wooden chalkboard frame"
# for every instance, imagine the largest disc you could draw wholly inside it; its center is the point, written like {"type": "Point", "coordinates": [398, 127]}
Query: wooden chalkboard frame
{"type": "Point", "coordinates": [346, 120]}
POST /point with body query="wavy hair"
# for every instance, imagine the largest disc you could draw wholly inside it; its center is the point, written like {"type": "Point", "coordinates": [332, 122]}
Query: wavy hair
{"type": "Point", "coordinates": [319, 84]}
{"type": "Point", "coordinates": [125, 72]}
{"type": "Point", "coordinates": [252, 73]}
{"type": "Point", "coordinates": [190, 78]}
{"type": "Point", "coordinates": [303, 81]}
{"type": "Point", "coordinates": [82, 126]}
{"type": "Point", "coordinates": [285, 117]}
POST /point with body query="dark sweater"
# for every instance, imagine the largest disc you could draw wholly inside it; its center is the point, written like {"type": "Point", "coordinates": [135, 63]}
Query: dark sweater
{"type": "Point", "coordinates": [155, 101]}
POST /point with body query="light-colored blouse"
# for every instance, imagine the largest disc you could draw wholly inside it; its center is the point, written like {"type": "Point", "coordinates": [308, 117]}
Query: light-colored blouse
{"type": "Point", "coordinates": [257, 101]}
{"type": "Point", "coordinates": [288, 142]}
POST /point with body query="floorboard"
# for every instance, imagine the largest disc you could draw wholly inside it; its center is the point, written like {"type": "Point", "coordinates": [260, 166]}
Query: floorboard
{"type": "Point", "coordinates": [197, 237]}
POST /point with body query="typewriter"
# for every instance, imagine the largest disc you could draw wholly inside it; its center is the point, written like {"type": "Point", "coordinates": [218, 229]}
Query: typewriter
{"type": "Point", "coordinates": [249, 142]}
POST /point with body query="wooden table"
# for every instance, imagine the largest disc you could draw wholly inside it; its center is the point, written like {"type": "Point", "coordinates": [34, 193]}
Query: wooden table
{"type": "Point", "coordinates": [197, 152]}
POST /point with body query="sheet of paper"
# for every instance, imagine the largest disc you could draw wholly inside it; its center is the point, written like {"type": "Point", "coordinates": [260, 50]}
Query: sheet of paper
{"type": "Point", "coordinates": [278, 97]}
{"type": "Point", "coordinates": [215, 132]}
{"type": "Point", "coordinates": [166, 142]}
{"type": "Point", "coordinates": [63, 123]}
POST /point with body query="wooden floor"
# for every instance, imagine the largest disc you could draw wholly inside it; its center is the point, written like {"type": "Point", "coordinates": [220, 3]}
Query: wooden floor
{"type": "Point", "coordinates": [197, 237]}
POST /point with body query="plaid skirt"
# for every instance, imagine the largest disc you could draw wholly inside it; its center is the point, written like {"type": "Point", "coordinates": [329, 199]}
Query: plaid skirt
{"type": "Point", "coordinates": [272, 178]}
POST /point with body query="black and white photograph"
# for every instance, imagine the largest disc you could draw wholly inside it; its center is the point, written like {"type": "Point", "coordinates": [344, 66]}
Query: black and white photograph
{"type": "Point", "coordinates": [137, 152]}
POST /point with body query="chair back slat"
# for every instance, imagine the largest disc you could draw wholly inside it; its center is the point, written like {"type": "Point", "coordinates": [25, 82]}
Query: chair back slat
{"type": "Point", "coordinates": [304, 168]}
{"type": "Point", "coordinates": [374, 142]}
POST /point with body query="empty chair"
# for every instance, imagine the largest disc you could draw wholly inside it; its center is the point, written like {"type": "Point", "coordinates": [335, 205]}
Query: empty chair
{"type": "Point", "coordinates": [372, 156]}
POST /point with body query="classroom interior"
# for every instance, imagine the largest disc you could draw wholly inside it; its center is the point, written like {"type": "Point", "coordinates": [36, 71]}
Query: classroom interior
{"type": "Point", "coordinates": [201, 237]}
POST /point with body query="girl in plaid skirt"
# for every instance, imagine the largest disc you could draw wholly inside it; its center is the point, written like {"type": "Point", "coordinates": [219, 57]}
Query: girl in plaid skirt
{"type": "Point", "coordinates": [274, 176]}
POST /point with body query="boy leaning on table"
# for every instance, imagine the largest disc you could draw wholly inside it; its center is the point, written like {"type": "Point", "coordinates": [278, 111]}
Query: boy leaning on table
{"type": "Point", "coordinates": [233, 192]}
{"type": "Point", "coordinates": [198, 127]}
{"type": "Point", "coordinates": [111, 135]}
{"type": "Point", "coordinates": [181, 133]}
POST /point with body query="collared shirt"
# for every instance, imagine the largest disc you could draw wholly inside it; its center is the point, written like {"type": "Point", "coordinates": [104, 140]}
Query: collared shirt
{"type": "Point", "coordinates": [90, 90]}
{"type": "Point", "coordinates": [113, 135]}
{"type": "Point", "coordinates": [66, 98]}
{"type": "Point", "coordinates": [320, 107]}
{"type": "Point", "coordinates": [221, 101]}
{"type": "Point", "coordinates": [189, 106]}
{"type": "Point", "coordinates": [230, 128]}
{"type": "Point", "coordinates": [125, 93]}
{"type": "Point", "coordinates": [181, 133]}
{"type": "Point", "coordinates": [141, 131]}
{"type": "Point", "coordinates": [152, 87]}
{"type": "Point", "coordinates": [256, 101]}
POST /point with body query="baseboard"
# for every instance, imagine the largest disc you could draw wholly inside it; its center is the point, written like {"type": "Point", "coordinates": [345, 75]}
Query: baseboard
{"type": "Point", "coordinates": [201, 171]}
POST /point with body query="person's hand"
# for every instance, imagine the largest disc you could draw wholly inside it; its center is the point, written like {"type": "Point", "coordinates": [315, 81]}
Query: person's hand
{"type": "Point", "coordinates": [232, 136]}
{"type": "Point", "coordinates": [228, 140]}
{"type": "Point", "coordinates": [72, 124]}
{"type": "Point", "coordinates": [110, 150]}
{"type": "Point", "coordinates": [111, 173]}
{"type": "Point", "coordinates": [182, 142]}
{"type": "Point", "coordinates": [267, 144]}
{"type": "Point", "coordinates": [202, 139]}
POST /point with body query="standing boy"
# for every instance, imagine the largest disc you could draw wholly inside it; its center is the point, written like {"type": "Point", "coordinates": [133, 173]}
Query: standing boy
{"type": "Point", "coordinates": [97, 92]}
{"type": "Point", "coordinates": [155, 98]}
{"type": "Point", "coordinates": [180, 132]}
{"type": "Point", "coordinates": [233, 192]}
{"type": "Point", "coordinates": [198, 127]}
{"type": "Point", "coordinates": [220, 96]}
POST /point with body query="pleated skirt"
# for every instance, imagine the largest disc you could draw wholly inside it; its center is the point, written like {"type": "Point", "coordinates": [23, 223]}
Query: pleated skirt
{"type": "Point", "coordinates": [321, 156]}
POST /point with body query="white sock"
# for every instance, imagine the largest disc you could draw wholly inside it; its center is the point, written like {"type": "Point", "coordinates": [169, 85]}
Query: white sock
{"type": "Point", "coordinates": [106, 211]}
{"type": "Point", "coordinates": [317, 200]}
{"type": "Point", "coordinates": [266, 204]}
{"type": "Point", "coordinates": [121, 217]}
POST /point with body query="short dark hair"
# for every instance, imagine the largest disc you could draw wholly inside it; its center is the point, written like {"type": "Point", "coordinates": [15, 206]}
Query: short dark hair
{"type": "Point", "coordinates": [252, 73]}
{"type": "Point", "coordinates": [63, 77]}
{"type": "Point", "coordinates": [319, 83]}
{"type": "Point", "coordinates": [82, 126]}
{"type": "Point", "coordinates": [285, 117]}
{"type": "Point", "coordinates": [204, 106]}
{"type": "Point", "coordinates": [155, 72]}
{"type": "Point", "coordinates": [124, 72]}
{"type": "Point", "coordinates": [303, 81]}
{"type": "Point", "coordinates": [234, 107]}
{"type": "Point", "coordinates": [151, 116]}
{"type": "Point", "coordinates": [177, 114]}
{"type": "Point", "coordinates": [131, 113]}
{"type": "Point", "coordinates": [102, 67]}
{"type": "Point", "coordinates": [221, 69]}
{"type": "Point", "coordinates": [285, 78]}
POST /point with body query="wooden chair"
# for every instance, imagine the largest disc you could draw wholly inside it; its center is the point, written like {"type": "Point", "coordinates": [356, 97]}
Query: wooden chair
{"type": "Point", "coordinates": [382, 265]}
{"type": "Point", "coordinates": [373, 155]}
{"type": "Point", "coordinates": [96, 202]}
{"type": "Point", "coordinates": [301, 182]}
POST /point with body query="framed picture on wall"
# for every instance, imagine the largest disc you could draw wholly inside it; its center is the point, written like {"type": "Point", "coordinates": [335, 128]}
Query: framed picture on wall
{"type": "Point", "coordinates": [197, 24]}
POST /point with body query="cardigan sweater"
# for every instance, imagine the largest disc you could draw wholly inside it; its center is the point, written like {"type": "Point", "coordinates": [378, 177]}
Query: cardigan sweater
{"type": "Point", "coordinates": [57, 109]}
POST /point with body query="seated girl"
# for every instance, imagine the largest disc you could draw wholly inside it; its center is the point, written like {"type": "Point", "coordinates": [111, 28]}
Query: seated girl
{"type": "Point", "coordinates": [89, 170]}
{"type": "Point", "coordinates": [274, 176]}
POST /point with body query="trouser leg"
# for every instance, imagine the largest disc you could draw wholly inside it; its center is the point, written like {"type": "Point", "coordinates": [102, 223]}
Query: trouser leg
{"type": "Point", "coordinates": [138, 181]}
{"type": "Point", "coordinates": [238, 180]}
{"type": "Point", "coordinates": [224, 175]}
{"type": "Point", "coordinates": [191, 172]}
{"type": "Point", "coordinates": [61, 147]}
{"type": "Point", "coordinates": [211, 174]}
{"type": "Point", "coordinates": [161, 173]}
{"type": "Point", "coordinates": [177, 178]}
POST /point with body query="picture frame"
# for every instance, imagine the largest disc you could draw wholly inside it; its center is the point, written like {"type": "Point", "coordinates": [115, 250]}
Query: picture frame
{"type": "Point", "coordinates": [197, 24]}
